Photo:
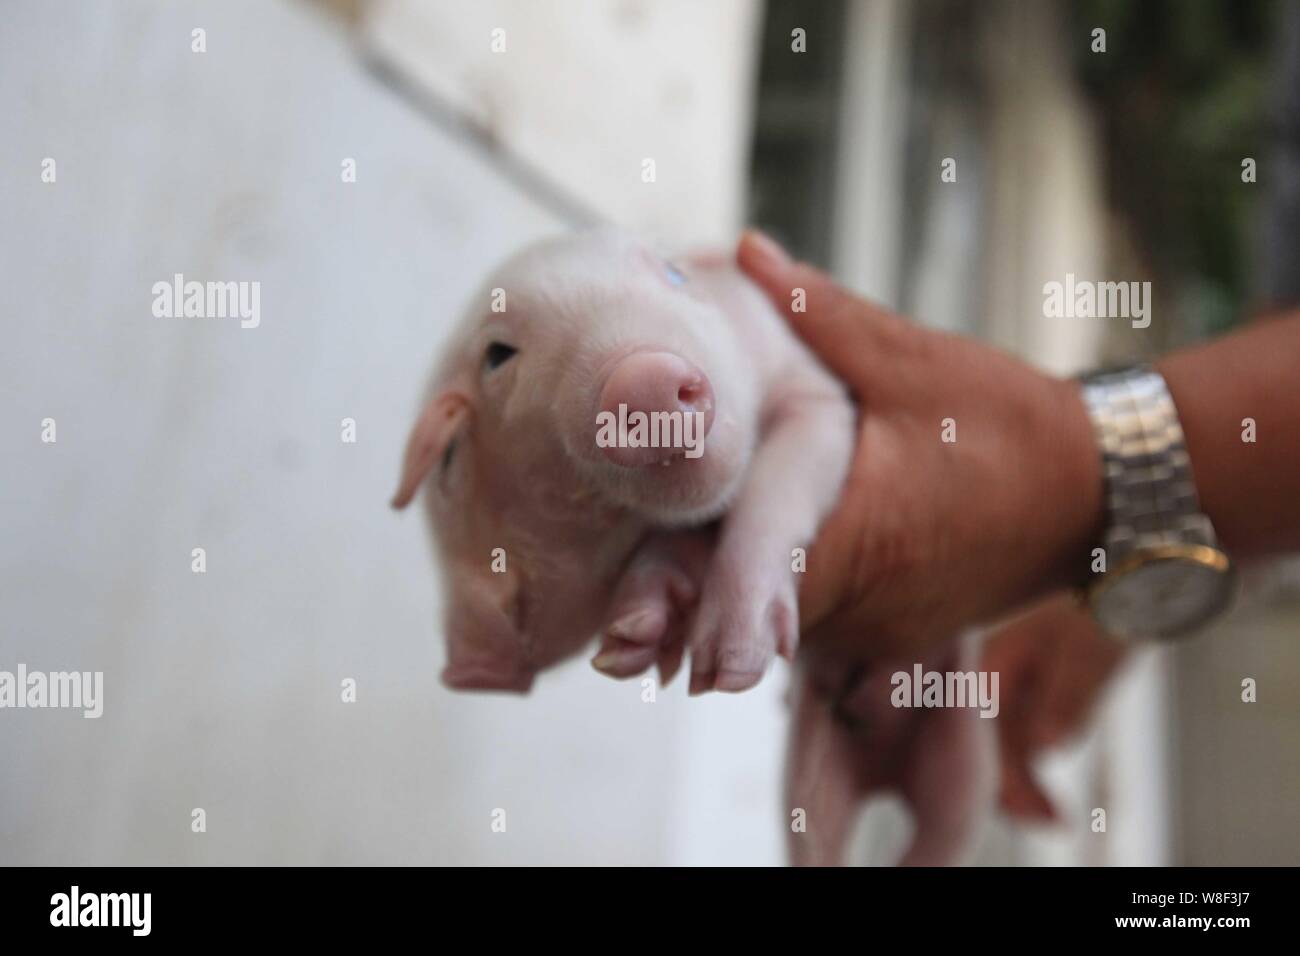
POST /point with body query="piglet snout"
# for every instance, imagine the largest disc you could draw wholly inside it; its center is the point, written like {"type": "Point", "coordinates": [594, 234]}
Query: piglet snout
{"type": "Point", "coordinates": [654, 383]}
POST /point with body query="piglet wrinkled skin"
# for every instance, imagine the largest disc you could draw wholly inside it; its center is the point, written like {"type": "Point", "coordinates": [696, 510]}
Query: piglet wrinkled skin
{"type": "Point", "coordinates": [549, 539]}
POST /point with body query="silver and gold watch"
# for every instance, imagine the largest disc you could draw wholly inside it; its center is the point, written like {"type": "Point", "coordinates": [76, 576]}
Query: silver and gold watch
{"type": "Point", "coordinates": [1164, 572]}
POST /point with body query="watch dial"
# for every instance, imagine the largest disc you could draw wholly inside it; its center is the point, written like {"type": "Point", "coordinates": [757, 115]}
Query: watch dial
{"type": "Point", "coordinates": [1162, 598]}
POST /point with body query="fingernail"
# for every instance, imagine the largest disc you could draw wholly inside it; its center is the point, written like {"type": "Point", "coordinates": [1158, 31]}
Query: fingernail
{"type": "Point", "coordinates": [767, 249]}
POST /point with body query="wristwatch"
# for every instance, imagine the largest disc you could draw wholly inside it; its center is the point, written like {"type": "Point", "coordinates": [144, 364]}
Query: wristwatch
{"type": "Point", "coordinates": [1164, 574]}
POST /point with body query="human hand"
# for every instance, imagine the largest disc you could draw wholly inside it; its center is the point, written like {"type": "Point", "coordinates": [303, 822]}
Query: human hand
{"type": "Point", "coordinates": [975, 485]}
{"type": "Point", "coordinates": [1052, 664]}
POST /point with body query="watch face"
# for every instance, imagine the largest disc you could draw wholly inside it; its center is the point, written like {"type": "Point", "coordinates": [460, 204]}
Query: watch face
{"type": "Point", "coordinates": [1163, 597]}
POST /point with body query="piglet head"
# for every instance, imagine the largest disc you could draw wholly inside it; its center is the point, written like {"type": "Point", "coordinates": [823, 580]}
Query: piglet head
{"type": "Point", "coordinates": [629, 370]}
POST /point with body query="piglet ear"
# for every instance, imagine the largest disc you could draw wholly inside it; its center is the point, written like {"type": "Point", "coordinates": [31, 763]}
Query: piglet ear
{"type": "Point", "coordinates": [438, 424]}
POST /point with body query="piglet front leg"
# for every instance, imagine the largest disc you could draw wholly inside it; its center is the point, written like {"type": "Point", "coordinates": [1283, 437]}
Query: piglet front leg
{"type": "Point", "coordinates": [748, 610]}
{"type": "Point", "coordinates": [654, 598]}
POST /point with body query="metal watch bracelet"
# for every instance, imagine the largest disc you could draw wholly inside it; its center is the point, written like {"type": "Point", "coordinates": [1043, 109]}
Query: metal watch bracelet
{"type": "Point", "coordinates": [1151, 500]}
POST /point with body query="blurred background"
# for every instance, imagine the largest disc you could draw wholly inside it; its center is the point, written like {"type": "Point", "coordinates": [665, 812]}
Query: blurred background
{"type": "Point", "coordinates": [825, 123]}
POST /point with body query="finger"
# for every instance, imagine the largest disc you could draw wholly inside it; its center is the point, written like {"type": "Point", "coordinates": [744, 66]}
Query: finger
{"type": "Point", "coordinates": [1021, 795]}
{"type": "Point", "coordinates": [848, 333]}
{"type": "Point", "coordinates": [1074, 689]}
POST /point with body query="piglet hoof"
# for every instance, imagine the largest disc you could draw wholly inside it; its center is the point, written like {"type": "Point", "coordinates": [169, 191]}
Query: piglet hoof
{"type": "Point", "coordinates": [733, 640]}
{"type": "Point", "coordinates": [646, 625]}
{"type": "Point", "coordinates": [620, 659]}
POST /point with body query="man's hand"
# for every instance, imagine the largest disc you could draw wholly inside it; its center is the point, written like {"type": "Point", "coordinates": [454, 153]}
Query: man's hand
{"type": "Point", "coordinates": [975, 486]}
{"type": "Point", "coordinates": [1053, 664]}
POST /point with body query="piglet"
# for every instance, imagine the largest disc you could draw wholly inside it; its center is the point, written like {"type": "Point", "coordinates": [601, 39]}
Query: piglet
{"type": "Point", "coordinates": [551, 535]}
{"type": "Point", "coordinates": [558, 523]}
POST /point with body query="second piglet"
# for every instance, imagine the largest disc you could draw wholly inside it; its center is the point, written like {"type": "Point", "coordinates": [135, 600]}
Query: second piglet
{"type": "Point", "coordinates": [559, 520]}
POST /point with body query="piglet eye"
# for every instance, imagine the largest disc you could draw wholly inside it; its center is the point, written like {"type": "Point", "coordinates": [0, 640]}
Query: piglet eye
{"type": "Point", "coordinates": [497, 354]}
{"type": "Point", "coordinates": [675, 275]}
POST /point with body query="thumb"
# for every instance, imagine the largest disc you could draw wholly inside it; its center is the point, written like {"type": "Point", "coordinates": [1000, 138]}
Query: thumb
{"type": "Point", "coordinates": [848, 333]}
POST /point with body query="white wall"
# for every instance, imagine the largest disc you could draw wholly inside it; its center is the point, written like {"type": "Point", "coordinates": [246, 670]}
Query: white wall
{"type": "Point", "coordinates": [581, 93]}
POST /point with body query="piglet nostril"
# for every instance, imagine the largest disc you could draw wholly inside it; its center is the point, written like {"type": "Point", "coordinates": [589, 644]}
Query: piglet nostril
{"type": "Point", "coordinates": [696, 396]}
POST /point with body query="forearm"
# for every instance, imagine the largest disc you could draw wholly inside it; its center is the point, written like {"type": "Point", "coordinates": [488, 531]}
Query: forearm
{"type": "Point", "coordinates": [1249, 490]}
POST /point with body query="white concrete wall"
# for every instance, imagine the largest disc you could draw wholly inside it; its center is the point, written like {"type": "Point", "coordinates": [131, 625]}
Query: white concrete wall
{"type": "Point", "coordinates": [583, 92]}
